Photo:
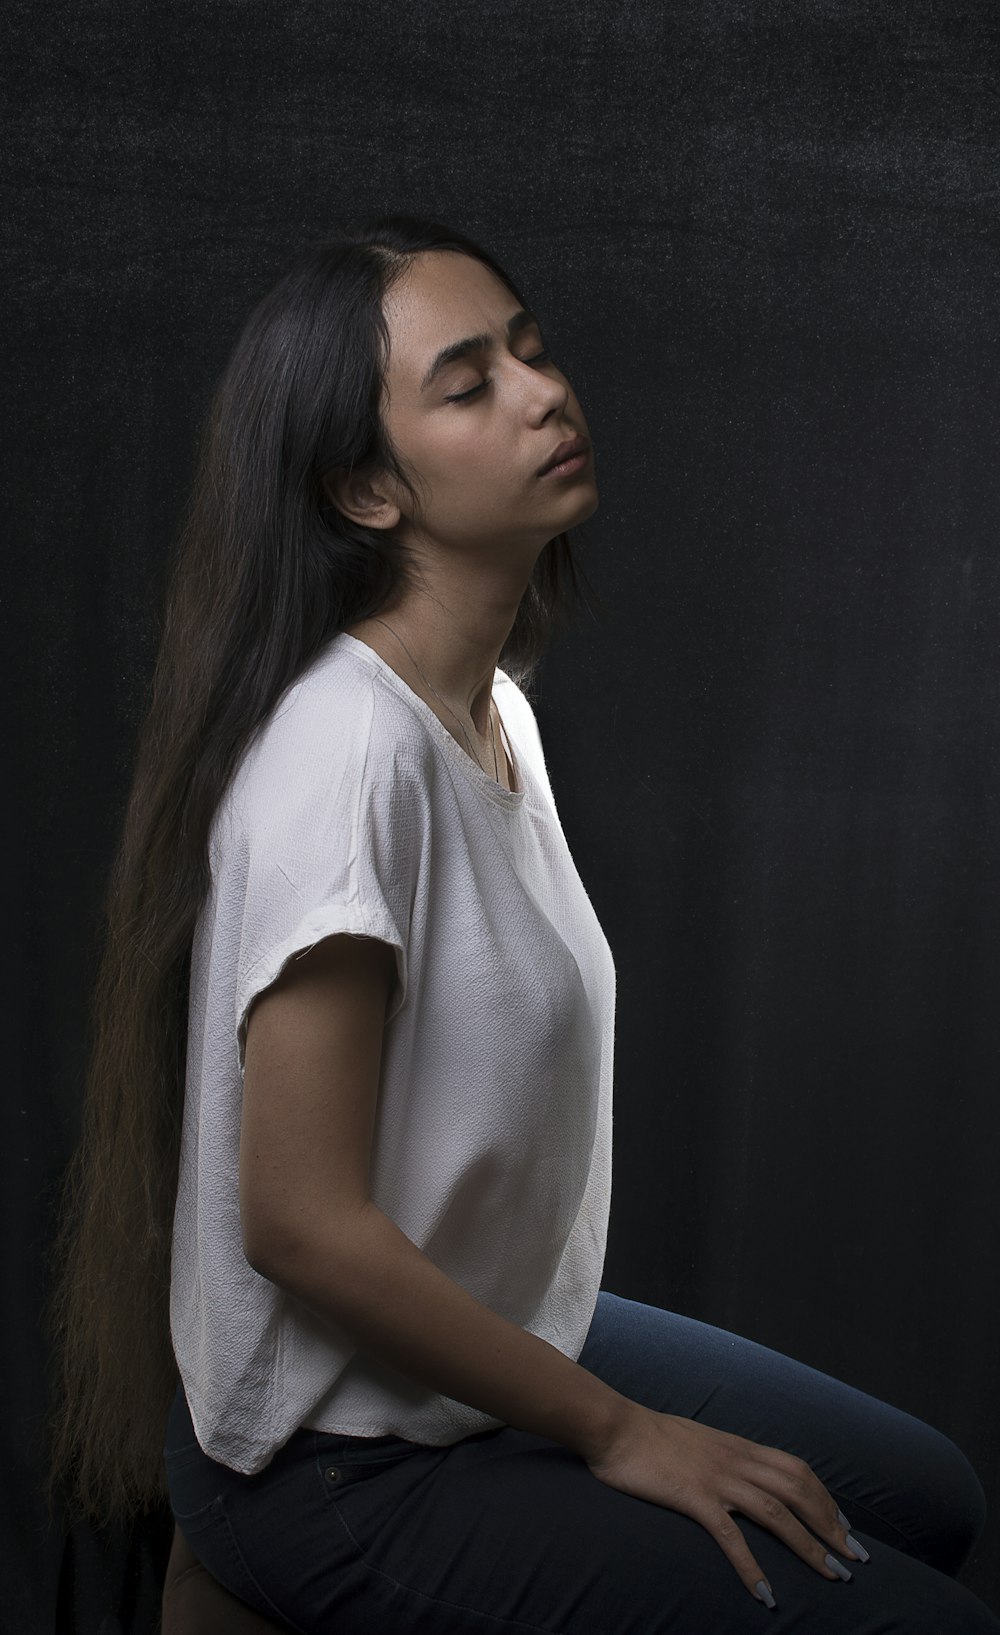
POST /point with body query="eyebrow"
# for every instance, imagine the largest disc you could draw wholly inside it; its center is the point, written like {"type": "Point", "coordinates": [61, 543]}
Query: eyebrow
{"type": "Point", "coordinates": [474, 343]}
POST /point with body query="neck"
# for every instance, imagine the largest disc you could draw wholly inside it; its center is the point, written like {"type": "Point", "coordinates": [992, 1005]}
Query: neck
{"type": "Point", "coordinates": [455, 644]}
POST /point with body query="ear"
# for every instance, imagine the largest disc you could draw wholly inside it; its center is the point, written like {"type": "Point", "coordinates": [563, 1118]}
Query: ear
{"type": "Point", "coordinates": [357, 498]}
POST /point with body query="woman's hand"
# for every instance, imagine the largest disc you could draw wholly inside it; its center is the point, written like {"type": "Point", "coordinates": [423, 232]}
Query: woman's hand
{"type": "Point", "coordinates": [705, 1473]}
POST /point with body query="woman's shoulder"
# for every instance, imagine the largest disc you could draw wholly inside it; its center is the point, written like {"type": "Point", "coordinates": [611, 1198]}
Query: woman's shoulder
{"type": "Point", "coordinates": [333, 732]}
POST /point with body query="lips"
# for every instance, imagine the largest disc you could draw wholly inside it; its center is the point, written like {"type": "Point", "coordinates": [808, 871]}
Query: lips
{"type": "Point", "coordinates": [565, 451]}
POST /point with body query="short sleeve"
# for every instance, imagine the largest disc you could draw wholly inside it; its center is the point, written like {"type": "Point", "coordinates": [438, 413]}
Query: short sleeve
{"type": "Point", "coordinates": [326, 838]}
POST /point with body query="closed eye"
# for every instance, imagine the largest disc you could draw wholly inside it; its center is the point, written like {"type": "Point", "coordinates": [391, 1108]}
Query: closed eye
{"type": "Point", "coordinates": [460, 397]}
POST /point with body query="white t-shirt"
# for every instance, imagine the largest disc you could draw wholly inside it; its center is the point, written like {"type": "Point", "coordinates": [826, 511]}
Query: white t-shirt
{"type": "Point", "coordinates": [354, 809]}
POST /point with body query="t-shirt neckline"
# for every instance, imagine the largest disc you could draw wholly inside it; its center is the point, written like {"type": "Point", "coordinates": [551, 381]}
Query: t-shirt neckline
{"type": "Point", "coordinates": [460, 757]}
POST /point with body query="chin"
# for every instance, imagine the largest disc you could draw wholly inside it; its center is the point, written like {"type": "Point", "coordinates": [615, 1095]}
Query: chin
{"type": "Point", "coordinates": [589, 503]}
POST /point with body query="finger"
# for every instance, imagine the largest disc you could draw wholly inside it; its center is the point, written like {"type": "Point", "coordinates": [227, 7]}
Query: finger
{"type": "Point", "coordinates": [854, 1549]}
{"type": "Point", "coordinates": [797, 1484]}
{"type": "Point", "coordinates": [729, 1537]}
{"type": "Point", "coordinates": [768, 1511]}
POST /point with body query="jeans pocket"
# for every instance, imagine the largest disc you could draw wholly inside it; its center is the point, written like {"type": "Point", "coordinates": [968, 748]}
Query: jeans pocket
{"type": "Point", "coordinates": [209, 1532]}
{"type": "Point", "coordinates": [180, 1459]}
{"type": "Point", "coordinates": [194, 1484]}
{"type": "Point", "coordinates": [203, 1519]}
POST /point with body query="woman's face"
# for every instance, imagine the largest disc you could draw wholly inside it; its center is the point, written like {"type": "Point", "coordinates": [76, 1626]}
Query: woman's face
{"type": "Point", "coordinates": [478, 456]}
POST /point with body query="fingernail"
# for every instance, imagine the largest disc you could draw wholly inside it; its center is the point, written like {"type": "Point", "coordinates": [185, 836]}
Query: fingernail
{"type": "Point", "coordinates": [765, 1594]}
{"type": "Point", "coordinates": [838, 1568]}
{"type": "Point", "coordinates": [843, 1520]}
{"type": "Point", "coordinates": [859, 1549]}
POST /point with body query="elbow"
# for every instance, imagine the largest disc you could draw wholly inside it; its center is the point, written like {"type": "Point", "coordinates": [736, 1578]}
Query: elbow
{"type": "Point", "coordinates": [260, 1251]}
{"type": "Point", "coordinates": [267, 1235]}
{"type": "Point", "coordinates": [295, 1255]}
{"type": "Point", "coordinates": [269, 1246]}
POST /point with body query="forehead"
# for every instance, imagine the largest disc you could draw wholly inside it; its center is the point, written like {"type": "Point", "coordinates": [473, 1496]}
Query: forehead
{"type": "Point", "coordinates": [442, 297]}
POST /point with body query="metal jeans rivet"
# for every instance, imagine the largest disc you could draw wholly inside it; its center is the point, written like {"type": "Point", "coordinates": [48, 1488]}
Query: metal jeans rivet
{"type": "Point", "coordinates": [333, 1474]}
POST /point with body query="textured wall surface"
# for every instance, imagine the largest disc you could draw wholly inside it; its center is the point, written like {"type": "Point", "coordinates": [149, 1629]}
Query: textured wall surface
{"type": "Point", "coordinates": [763, 239]}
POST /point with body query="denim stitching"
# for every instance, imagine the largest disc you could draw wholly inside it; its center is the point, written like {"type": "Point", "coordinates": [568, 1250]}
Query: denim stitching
{"type": "Point", "coordinates": [189, 1517]}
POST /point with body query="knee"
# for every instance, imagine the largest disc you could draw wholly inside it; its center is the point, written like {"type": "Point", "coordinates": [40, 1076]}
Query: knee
{"type": "Point", "coordinates": [960, 1507]}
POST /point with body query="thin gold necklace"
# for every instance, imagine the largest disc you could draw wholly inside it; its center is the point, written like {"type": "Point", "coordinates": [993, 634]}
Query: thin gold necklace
{"type": "Point", "coordinates": [437, 695]}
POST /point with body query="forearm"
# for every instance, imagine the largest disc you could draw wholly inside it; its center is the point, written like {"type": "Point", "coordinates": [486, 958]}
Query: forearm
{"type": "Point", "coordinates": [403, 1309]}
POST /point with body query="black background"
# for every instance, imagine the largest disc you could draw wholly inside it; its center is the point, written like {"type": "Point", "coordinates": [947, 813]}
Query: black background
{"type": "Point", "coordinates": [764, 242]}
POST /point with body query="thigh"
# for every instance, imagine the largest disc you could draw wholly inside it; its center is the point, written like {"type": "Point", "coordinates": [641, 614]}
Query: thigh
{"type": "Point", "coordinates": [510, 1531]}
{"type": "Point", "coordinates": [900, 1479]}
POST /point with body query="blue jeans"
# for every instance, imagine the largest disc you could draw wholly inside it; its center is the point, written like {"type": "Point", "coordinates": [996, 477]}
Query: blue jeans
{"type": "Point", "coordinates": [508, 1531]}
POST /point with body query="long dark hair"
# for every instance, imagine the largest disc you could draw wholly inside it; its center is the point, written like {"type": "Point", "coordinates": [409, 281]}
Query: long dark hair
{"type": "Point", "coordinates": [265, 572]}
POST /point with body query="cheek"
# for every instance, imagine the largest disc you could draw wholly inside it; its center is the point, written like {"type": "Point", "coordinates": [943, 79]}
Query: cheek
{"type": "Point", "coordinates": [467, 455]}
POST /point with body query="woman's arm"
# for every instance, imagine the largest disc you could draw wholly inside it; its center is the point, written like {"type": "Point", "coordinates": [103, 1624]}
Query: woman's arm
{"type": "Point", "coordinates": [313, 1051]}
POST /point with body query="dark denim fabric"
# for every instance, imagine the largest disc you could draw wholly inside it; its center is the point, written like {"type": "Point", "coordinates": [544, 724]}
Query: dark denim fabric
{"type": "Point", "coordinates": [507, 1531]}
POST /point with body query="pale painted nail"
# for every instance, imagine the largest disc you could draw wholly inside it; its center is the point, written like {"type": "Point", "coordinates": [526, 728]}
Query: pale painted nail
{"type": "Point", "coordinates": [838, 1568]}
{"type": "Point", "coordinates": [765, 1594]}
{"type": "Point", "coordinates": [843, 1520]}
{"type": "Point", "coordinates": [859, 1549]}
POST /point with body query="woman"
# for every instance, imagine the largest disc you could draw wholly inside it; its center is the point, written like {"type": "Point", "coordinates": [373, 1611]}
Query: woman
{"type": "Point", "coordinates": [382, 1158]}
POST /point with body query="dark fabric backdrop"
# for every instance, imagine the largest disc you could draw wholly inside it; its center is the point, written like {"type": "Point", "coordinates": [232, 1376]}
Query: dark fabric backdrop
{"type": "Point", "coordinates": [764, 239]}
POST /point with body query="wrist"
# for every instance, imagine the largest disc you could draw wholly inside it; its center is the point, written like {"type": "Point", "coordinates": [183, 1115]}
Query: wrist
{"type": "Point", "coordinates": [596, 1419]}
